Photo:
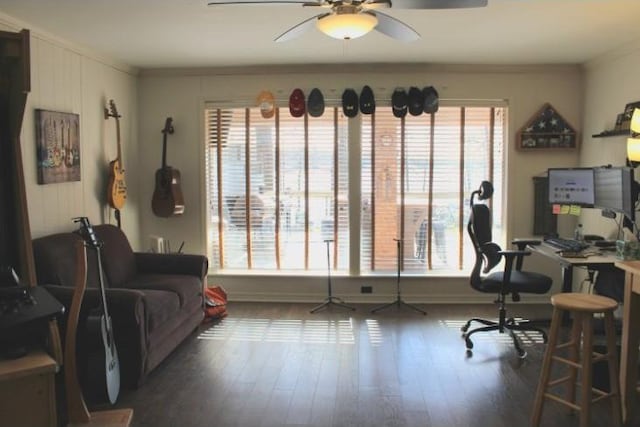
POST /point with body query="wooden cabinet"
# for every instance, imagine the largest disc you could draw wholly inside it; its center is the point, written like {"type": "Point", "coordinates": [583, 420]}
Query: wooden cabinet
{"type": "Point", "coordinates": [27, 391]}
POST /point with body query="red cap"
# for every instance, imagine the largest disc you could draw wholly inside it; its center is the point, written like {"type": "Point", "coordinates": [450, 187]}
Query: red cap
{"type": "Point", "coordinates": [296, 103]}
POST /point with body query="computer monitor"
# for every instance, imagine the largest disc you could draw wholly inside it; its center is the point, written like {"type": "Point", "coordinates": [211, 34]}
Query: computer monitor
{"type": "Point", "coordinates": [615, 190]}
{"type": "Point", "coordinates": [571, 186]}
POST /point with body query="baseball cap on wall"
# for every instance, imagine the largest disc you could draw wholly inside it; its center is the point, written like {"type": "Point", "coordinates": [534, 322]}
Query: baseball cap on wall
{"type": "Point", "coordinates": [315, 103]}
{"type": "Point", "coordinates": [350, 103]}
{"type": "Point", "coordinates": [431, 99]}
{"type": "Point", "coordinates": [267, 104]}
{"type": "Point", "coordinates": [367, 101]}
{"type": "Point", "coordinates": [399, 100]}
{"type": "Point", "coordinates": [296, 103]}
{"type": "Point", "coordinates": [416, 101]}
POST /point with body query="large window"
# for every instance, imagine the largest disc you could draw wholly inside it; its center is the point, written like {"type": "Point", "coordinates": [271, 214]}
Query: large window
{"type": "Point", "coordinates": [278, 188]}
{"type": "Point", "coordinates": [416, 177]}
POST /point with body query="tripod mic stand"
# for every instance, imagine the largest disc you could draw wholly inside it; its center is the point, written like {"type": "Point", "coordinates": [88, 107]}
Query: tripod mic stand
{"type": "Point", "coordinates": [330, 299]}
{"type": "Point", "coordinates": [398, 300]}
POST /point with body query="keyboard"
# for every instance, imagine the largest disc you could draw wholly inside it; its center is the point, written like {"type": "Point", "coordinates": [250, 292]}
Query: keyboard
{"type": "Point", "coordinates": [566, 244]}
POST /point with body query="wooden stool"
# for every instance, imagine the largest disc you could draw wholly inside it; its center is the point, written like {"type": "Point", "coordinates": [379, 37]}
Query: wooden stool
{"type": "Point", "coordinates": [582, 307]}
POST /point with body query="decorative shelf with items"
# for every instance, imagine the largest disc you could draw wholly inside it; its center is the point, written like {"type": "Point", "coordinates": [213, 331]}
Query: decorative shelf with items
{"type": "Point", "coordinates": [623, 122]}
{"type": "Point", "coordinates": [547, 129]}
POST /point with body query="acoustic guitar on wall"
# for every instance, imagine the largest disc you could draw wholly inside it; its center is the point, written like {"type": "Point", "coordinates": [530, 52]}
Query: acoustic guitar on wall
{"type": "Point", "coordinates": [167, 195]}
{"type": "Point", "coordinates": [116, 188]}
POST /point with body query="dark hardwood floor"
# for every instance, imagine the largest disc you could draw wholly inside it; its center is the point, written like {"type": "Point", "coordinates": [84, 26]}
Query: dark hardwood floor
{"type": "Point", "coordinates": [278, 365]}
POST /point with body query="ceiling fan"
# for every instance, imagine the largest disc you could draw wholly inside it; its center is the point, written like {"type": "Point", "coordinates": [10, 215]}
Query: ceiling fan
{"type": "Point", "coordinates": [347, 19]}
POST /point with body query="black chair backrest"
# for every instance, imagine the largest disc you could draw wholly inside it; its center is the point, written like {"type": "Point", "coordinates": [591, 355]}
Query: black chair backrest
{"type": "Point", "coordinates": [479, 229]}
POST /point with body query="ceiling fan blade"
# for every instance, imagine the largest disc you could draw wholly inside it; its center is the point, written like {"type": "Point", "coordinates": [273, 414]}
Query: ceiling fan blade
{"type": "Point", "coordinates": [394, 28]}
{"type": "Point", "coordinates": [437, 4]}
{"type": "Point", "coordinates": [299, 29]}
{"type": "Point", "coordinates": [225, 2]}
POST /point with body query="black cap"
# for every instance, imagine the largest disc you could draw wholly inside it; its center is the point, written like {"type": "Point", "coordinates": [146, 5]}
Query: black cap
{"type": "Point", "coordinates": [367, 101]}
{"type": "Point", "coordinates": [350, 103]}
{"type": "Point", "coordinates": [315, 103]}
{"type": "Point", "coordinates": [431, 99]}
{"type": "Point", "coordinates": [399, 101]}
{"type": "Point", "coordinates": [416, 101]}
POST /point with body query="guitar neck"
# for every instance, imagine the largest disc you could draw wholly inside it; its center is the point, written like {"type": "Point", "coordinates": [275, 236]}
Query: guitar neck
{"type": "Point", "coordinates": [164, 151]}
{"type": "Point", "coordinates": [119, 158]}
{"type": "Point", "coordinates": [103, 295]}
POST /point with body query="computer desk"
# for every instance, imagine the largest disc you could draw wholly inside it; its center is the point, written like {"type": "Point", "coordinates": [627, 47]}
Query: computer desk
{"type": "Point", "coordinates": [595, 261]}
{"type": "Point", "coordinates": [630, 317]}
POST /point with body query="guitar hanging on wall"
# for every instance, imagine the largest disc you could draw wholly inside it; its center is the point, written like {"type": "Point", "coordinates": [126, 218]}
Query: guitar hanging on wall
{"type": "Point", "coordinates": [103, 370]}
{"type": "Point", "coordinates": [167, 196]}
{"type": "Point", "coordinates": [116, 188]}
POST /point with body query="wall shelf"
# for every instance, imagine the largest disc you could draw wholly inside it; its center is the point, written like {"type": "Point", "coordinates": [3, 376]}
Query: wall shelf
{"type": "Point", "coordinates": [607, 133]}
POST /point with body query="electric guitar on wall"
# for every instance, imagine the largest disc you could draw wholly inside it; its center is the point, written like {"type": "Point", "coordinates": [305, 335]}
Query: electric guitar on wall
{"type": "Point", "coordinates": [103, 370]}
{"type": "Point", "coordinates": [116, 189]}
{"type": "Point", "coordinates": [167, 196]}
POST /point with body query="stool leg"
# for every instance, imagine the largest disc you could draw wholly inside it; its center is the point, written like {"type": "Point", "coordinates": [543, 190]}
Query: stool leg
{"type": "Point", "coordinates": [574, 355]}
{"type": "Point", "coordinates": [556, 320]}
{"type": "Point", "coordinates": [587, 374]}
{"type": "Point", "coordinates": [612, 362]}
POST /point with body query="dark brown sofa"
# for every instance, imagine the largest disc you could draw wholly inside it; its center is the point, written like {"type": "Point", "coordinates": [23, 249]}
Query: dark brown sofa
{"type": "Point", "coordinates": [155, 300]}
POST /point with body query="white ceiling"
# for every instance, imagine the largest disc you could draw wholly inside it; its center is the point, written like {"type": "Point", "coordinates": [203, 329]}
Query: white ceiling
{"type": "Point", "coordinates": [188, 33]}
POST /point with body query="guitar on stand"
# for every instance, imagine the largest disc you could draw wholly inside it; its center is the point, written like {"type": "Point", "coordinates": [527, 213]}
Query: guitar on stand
{"type": "Point", "coordinates": [104, 366]}
{"type": "Point", "coordinates": [116, 188]}
{"type": "Point", "coordinates": [167, 196]}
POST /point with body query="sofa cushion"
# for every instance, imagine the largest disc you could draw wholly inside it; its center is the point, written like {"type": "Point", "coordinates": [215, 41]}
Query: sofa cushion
{"type": "Point", "coordinates": [56, 261]}
{"type": "Point", "coordinates": [186, 288]}
{"type": "Point", "coordinates": [118, 259]}
{"type": "Point", "coordinates": [160, 307]}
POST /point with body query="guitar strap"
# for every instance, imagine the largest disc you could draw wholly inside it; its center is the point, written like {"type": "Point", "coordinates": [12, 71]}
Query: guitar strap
{"type": "Point", "coordinates": [117, 215]}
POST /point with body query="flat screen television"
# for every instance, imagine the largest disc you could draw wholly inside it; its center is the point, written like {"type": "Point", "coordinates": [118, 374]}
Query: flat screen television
{"type": "Point", "coordinates": [615, 190]}
{"type": "Point", "coordinates": [571, 186]}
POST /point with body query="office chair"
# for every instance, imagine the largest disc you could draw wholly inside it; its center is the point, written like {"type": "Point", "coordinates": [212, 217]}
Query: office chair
{"type": "Point", "coordinates": [511, 281]}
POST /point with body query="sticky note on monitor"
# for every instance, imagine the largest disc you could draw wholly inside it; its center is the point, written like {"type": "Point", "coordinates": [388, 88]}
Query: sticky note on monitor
{"type": "Point", "coordinates": [574, 210]}
{"type": "Point", "coordinates": [556, 209]}
{"type": "Point", "coordinates": [564, 209]}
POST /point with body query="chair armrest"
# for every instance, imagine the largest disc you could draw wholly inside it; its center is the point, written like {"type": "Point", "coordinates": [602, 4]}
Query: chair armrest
{"type": "Point", "coordinates": [152, 263]}
{"type": "Point", "coordinates": [522, 243]}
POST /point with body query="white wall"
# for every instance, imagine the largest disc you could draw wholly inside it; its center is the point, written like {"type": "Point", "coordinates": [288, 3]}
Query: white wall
{"type": "Point", "coordinates": [611, 82]}
{"type": "Point", "coordinates": [181, 94]}
{"type": "Point", "coordinates": [68, 78]}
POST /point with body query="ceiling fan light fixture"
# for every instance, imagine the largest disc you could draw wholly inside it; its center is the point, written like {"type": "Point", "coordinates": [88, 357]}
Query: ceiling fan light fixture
{"type": "Point", "coordinates": [347, 25]}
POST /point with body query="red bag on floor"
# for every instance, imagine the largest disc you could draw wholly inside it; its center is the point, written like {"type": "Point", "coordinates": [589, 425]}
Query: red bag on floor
{"type": "Point", "coordinates": [215, 303]}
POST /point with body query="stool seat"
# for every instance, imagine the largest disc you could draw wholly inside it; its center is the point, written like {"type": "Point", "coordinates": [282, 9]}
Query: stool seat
{"type": "Point", "coordinates": [588, 303]}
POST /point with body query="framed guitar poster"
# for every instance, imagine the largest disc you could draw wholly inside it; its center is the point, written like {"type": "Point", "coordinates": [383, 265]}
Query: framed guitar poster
{"type": "Point", "coordinates": [58, 146]}
{"type": "Point", "coordinates": [547, 129]}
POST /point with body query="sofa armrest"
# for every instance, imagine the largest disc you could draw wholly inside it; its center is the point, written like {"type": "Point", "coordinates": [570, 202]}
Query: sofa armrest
{"type": "Point", "coordinates": [125, 305]}
{"type": "Point", "coordinates": [152, 263]}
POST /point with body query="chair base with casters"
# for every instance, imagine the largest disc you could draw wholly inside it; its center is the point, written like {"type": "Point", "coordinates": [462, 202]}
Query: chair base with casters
{"type": "Point", "coordinates": [512, 280]}
{"type": "Point", "coordinates": [503, 325]}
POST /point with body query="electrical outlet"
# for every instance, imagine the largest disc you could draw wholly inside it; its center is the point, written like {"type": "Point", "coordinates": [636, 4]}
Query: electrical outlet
{"type": "Point", "coordinates": [366, 289]}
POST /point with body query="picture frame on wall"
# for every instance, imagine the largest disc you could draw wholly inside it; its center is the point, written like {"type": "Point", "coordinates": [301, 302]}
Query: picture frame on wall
{"type": "Point", "coordinates": [58, 146]}
{"type": "Point", "coordinates": [547, 129]}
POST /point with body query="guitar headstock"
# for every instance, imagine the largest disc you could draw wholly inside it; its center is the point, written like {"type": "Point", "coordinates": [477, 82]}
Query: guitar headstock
{"type": "Point", "coordinates": [112, 111]}
{"type": "Point", "coordinates": [87, 233]}
{"type": "Point", "coordinates": [168, 126]}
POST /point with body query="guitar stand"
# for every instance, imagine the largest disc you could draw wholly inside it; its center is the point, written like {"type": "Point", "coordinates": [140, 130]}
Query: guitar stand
{"type": "Point", "coordinates": [330, 299]}
{"type": "Point", "coordinates": [77, 411]}
{"type": "Point", "coordinates": [398, 301]}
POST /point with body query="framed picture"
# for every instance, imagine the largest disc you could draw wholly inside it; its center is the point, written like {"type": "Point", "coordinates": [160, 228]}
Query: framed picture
{"type": "Point", "coordinates": [58, 146]}
{"type": "Point", "coordinates": [547, 129]}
